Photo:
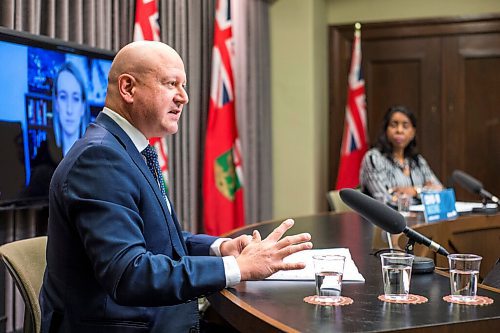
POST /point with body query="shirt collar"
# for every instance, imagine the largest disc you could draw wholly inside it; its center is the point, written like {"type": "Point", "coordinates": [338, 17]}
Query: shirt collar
{"type": "Point", "coordinates": [139, 140]}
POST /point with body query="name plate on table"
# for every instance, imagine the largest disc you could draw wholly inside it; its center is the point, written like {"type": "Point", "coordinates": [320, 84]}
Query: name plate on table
{"type": "Point", "coordinates": [439, 205]}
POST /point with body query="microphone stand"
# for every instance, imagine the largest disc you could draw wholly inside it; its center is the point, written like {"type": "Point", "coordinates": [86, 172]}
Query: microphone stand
{"type": "Point", "coordinates": [485, 210]}
{"type": "Point", "coordinates": [421, 265]}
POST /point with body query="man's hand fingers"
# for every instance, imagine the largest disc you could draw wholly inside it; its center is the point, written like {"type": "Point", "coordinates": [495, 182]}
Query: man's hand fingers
{"type": "Point", "coordinates": [292, 265]}
{"type": "Point", "coordinates": [279, 231]}
{"type": "Point", "coordinates": [294, 239]}
{"type": "Point", "coordinates": [256, 236]}
{"type": "Point", "coordinates": [245, 240]}
{"type": "Point", "coordinates": [285, 252]}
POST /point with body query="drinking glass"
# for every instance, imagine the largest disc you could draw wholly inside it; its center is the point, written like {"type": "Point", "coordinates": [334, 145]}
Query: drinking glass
{"type": "Point", "coordinates": [328, 271]}
{"type": "Point", "coordinates": [404, 201]}
{"type": "Point", "coordinates": [396, 273]}
{"type": "Point", "coordinates": [464, 273]}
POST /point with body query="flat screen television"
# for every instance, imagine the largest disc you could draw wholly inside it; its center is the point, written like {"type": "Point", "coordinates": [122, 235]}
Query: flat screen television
{"type": "Point", "coordinates": [49, 91]}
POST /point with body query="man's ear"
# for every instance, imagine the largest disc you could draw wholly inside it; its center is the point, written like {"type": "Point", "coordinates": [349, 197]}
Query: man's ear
{"type": "Point", "coordinates": [126, 87]}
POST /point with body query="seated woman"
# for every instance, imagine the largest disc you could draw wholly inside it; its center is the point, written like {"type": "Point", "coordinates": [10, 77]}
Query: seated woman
{"type": "Point", "coordinates": [393, 166]}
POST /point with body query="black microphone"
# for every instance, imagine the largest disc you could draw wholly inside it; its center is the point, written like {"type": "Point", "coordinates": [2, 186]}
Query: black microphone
{"type": "Point", "coordinates": [472, 185]}
{"type": "Point", "coordinates": [386, 218]}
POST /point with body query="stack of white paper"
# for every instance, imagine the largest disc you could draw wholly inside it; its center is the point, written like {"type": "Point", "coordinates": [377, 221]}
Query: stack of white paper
{"type": "Point", "coordinates": [351, 272]}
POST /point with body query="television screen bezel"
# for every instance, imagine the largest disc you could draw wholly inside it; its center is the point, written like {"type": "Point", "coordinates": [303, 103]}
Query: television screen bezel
{"type": "Point", "coordinates": [25, 38]}
{"type": "Point", "coordinates": [54, 44]}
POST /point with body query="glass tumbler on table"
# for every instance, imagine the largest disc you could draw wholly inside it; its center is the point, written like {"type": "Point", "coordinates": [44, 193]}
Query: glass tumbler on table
{"type": "Point", "coordinates": [404, 202]}
{"type": "Point", "coordinates": [464, 273]}
{"type": "Point", "coordinates": [328, 270]}
{"type": "Point", "coordinates": [396, 273]}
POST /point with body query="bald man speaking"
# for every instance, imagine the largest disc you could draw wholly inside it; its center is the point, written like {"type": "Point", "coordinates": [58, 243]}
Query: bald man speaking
{"type": "Point", "coordinates": [117, 259]}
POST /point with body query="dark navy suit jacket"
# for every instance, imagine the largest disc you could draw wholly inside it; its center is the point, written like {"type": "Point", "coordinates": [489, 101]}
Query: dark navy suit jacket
{"type": "Point", "coordinates": [117, 260]}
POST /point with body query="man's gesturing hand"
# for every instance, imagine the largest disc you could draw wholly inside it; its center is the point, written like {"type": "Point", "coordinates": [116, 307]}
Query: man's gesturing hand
{"type": "Point", "coordinates": [261, 258]}
{"type": "Point", "coordinates": [233, 247]}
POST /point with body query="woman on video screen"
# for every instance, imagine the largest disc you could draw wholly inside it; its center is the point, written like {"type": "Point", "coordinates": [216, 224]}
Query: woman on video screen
{"type": "Point", "coordinates": [70, 108]}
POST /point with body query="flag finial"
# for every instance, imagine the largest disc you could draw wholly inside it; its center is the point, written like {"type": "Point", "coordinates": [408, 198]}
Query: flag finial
{"type": "Point", "coordinates": [357, 26]}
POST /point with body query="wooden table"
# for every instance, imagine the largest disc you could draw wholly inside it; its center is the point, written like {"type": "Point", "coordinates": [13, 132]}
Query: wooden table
{"type": "Point", "coordinates": [277, 306]}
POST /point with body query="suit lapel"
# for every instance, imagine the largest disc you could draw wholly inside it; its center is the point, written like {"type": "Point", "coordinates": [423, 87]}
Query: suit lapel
{"type": "Point", "coordinates": [173, 227]}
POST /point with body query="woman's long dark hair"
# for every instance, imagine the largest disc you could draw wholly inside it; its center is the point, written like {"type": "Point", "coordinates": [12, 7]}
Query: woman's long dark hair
{"type": "Point", "coordinates": [383, 143]}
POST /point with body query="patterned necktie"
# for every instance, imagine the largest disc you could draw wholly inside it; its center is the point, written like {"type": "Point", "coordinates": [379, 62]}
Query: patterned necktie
{"type": "Point", "coordinates": [154, 166]}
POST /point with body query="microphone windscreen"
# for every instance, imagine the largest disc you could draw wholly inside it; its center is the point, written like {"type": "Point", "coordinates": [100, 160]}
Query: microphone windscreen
{"type": "Point", "coordinates": [470, 183]}
{"type": "Point", "coordinates": [374, 211]}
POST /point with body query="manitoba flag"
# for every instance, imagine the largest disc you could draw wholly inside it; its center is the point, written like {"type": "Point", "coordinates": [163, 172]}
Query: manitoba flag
{"type": "Point", "coordinates": [355, 138]}
{"type": "Point", "coordinates": [222, 173]}
{"type": "Point", "coordinates": [146, 27]}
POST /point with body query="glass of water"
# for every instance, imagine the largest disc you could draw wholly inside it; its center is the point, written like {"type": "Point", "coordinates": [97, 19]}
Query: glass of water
{"type": "Point", "coordinates": [396, 273]}
{"type": "Point", "coordinates": [328, 270]}
{"type": "Point", "coordinates": [404, 202]}
{"type": "Point", "coordinates": [464, 273]}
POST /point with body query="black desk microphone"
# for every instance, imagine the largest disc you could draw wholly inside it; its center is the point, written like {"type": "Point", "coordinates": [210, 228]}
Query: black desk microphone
{"type": "Point", "coordinates": [473, 185]}
{"type": "Point", "coordinates": [393, 222]}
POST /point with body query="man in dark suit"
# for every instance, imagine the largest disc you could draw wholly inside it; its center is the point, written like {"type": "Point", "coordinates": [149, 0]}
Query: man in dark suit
{"type": "Point", "coordinates": [117, 260]}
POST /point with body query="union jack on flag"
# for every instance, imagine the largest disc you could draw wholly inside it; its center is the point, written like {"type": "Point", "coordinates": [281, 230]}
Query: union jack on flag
{"type": "Point", "coordinates": [146, 27]}
{"type": "Point", "coordinates": [221, 91]}
{"type": "Point", "coordinates": [355, 137]}
{"type": "Point", "coordinates": [222, 174]}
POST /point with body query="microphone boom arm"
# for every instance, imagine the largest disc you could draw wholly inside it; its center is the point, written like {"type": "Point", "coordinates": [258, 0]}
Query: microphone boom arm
{"type": "Point", "coordinates": [417, 237]}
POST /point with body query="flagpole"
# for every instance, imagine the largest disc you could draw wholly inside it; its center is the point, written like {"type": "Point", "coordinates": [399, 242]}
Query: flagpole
{"type": "Point", "coordinates": [355, 137]}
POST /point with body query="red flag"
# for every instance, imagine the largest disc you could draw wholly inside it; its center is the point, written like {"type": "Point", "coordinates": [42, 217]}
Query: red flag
{"type": "Point", "coordinates": [222, 178]}
{"type": "Point", "coordinates": [355, 138]}
{"type": "Point", "coordinates": [146, 27]}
